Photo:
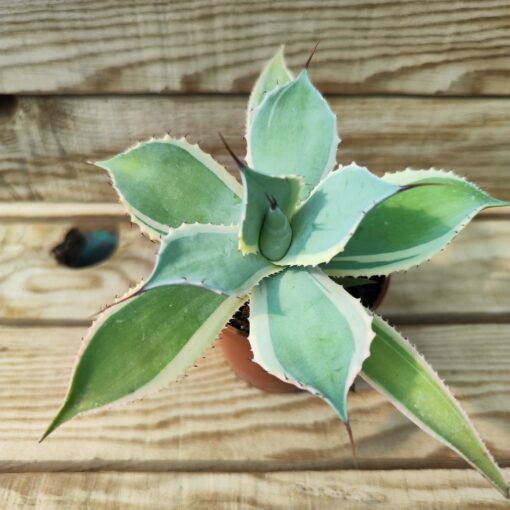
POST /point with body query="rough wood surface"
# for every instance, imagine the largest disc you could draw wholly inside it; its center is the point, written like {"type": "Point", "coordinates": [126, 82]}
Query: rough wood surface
{"type": "Point", "coordinates": [212, 421]}
{"type": "Point", "coordinates": [34, 286]}
{"type": "Point", "coordinates": [468, 281]}
{"type": "Point", "coordinates": [38, 212]}
{"type": "Point", "coordinates": [45, 142]}
{"type": "Point", "coordinates": [366, 47]}
{"type": "Point", "coordinates": [302, 490]}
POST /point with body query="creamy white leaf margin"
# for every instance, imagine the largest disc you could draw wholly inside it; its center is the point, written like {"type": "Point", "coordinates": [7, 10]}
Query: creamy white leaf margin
{"type": "Point", "coordinates": [149, 226]}
{"type": "Point", "coordinates": [281, 91]}
{"type": "Point", "coordinates": [274, 69]}
{"type": "Point", "coordinates": [192, 350]}
{"type": "Point", "coordinates": [309, 255]}
{"type": "Point", "coordinates": [446, 395]}
{"type": "Point", "coordinates": [411, 257]}
{"type": "Point", "coordinates": [261, 340]}
{"type": "Point", "coordinates": [191, 230]}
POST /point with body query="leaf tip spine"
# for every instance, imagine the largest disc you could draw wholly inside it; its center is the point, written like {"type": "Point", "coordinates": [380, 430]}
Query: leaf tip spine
{"type": "Point", "coordinates": [309, 60]}
{"type": "Point", "coordinates": [240, 163]}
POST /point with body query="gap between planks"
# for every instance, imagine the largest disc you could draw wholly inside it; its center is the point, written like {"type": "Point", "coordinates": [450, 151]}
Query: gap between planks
{"type": "Point", "coordinates": [15, 212]}
{"type": "Point", "coordinates": [394, 319]}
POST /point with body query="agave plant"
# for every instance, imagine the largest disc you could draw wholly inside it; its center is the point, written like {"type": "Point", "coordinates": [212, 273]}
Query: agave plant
{"type": "Point", "coordinates": [297, 221]}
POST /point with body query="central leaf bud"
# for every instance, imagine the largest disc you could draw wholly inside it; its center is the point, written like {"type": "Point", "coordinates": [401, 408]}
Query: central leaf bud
{"type": "Point", "coordinates": [275, 234]}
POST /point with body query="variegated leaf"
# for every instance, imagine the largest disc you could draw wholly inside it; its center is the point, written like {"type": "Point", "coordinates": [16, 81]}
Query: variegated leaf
{"type": "Point", "coordinates": [259, 190]}
{"type": "Point", "coordinates": [167, 182]}
{"type": "Point", "coordinates": [409, 228]}
{"type": "Point", "coordinates": [306, 329]}
{"type": "Point", "coordinates": [397, 370]}
{"type": "Point", "coordinates": [208, 256]}
{"type": "Point", "coordinates": [142, 345]}
{"type": "Point", "coordinates": [323, 225]}
{"type": "Point", "coordinates": [293, 132]}
{"type": "Point", "coordinates": [275, 73]}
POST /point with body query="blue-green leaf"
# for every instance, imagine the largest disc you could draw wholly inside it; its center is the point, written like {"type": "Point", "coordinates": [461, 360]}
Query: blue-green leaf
{"type": "Point", "coordinates": [275, 73]}
{"type": "Point", "coordinates": [259, 190]}
{"type": "Point", "coordinates": [397, 370]}
{"type": "Point", "coordinates": [306, 329]}
{"type": "Point", "coordinates": [409, 228]}
{"type": "Point", "coordinates": [142, 345]}
{"type": "Point", "coordinates": [165, 183]}
{"type": "Point", "coordinates": [294, 132]}
{"type": "Point", "coordinates": [323, 225]}
{"type": "Point", "coordinates": [208, 256]}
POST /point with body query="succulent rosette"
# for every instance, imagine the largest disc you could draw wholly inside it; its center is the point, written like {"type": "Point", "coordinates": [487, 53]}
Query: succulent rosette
{"type": "Point", "coordinates": [297, 220]}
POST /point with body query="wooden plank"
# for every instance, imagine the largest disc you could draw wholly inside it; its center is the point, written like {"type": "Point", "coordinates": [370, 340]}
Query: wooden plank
{"type": "Point", "coordinates": [366, 47]}
{"type": "Point", "coordinates": [470, 280]}
{"type": "Point", "coordinates": [46, 142]}
{"type": "Point", "coordinates": [212, 421]}
{"type": "Point", "coordinates": [38, 212]}
{"type": "Point", "coordinates": [355, 490]}
{"type": "Point", "coordinates": [34, 286]}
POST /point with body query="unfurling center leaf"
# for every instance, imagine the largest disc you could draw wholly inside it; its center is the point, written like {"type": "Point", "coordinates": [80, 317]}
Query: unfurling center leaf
{"type": "Point", "coordinates": [276, 233]}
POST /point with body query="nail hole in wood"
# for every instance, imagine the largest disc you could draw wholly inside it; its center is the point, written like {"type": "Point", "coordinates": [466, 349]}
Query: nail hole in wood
{"type": "Point", "coordinates": [8, 105]}
{"type": "Point", "coordinates": [83, 248]}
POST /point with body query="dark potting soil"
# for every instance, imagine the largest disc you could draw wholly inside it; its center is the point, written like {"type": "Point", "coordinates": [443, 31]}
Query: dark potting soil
{"type": "Point", "coordinates": [368, 295]}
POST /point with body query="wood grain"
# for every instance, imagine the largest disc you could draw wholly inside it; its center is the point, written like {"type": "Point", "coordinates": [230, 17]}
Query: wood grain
{"type": "Point", "coordinates": [466, 282]}
{"type": "Point", "coordinates": [46, 142]}
{"type": "Point", "coordinates": [305, 490]}
{"type": "Point", "coordinates": [412, 47]}
{"type": "Point", "coordinates": [34, 286]}
{"type": "Point", "coordinates": [212, 421]}
{"type": "Point", "coordinates": [470, 280]}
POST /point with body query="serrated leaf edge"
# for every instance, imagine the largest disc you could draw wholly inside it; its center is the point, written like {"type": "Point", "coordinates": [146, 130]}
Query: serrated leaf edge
{"type": "Point", "coordinates": [394, 268]}
{"type": "Point", "coordinates": [269, 358]}
{"type": "Point", "coordinates": [317, 259]}
{"type": "Point", "coordinates": [331, 162]}
{"type": "Point", "coordinates": [414, 352]}
{"type": "Point", "coordinates": [279, 54]}
{"type": "Point", "coordinates": [163, 379]}
{"type": "Point", "coordinates": [151, 227]}
{"type": "Point", "coordinates": [190, 229]}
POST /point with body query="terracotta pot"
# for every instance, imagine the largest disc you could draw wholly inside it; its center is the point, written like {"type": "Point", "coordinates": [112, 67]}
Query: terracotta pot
{"type": "Point", "coordinates": [237, 351]}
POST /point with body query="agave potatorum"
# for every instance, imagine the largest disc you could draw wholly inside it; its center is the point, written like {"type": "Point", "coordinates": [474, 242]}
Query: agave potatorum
{"type": "Point", "coordinates": [295, 222]}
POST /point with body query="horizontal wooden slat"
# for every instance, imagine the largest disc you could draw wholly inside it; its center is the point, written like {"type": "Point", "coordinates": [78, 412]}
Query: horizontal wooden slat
{"type": "Point", "coordinates": [469, 280]}
{"type": "Point", "coordinates": [366, 47]}
{"type": "Point", "coordinates": [395, 490]}
{"type": "Point", "coordinates": [34, 286]}
{"type": "Point", "coordinates": [38, 212]}
{"type": "Point", "coordinates": [212, 421]}
{"type": "Point", "coordinates": [45, 142]}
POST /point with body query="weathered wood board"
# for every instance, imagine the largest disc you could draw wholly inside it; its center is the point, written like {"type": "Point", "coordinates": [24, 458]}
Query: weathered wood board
{"type": "Point", "coordinates": [45, 142]}
{"type": "Point", "coordinates": [354, 490]}
{"type": "Point", "coordinates": [34, 286]}
{"type": "Point", "coordinates": [212, 421]}
{"type": "Point", "coordinates": [181, 46]}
